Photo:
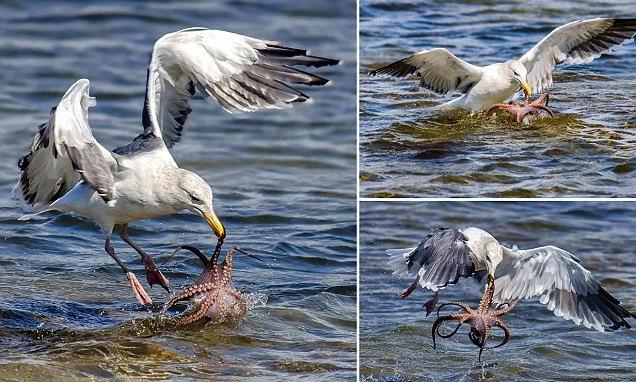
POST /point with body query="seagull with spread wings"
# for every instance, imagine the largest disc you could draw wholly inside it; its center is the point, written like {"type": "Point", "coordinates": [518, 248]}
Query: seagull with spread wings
{"type": "Point", "coordinates": [550, 273]}
{"type": "Point", "coordinates": [578, 42]}
{"type": "Point", "coordinates": [66, 169]}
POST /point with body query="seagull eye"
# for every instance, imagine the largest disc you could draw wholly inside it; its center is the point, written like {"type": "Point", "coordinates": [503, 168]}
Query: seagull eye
{"type": "Point", "coordinates": [196, 200]}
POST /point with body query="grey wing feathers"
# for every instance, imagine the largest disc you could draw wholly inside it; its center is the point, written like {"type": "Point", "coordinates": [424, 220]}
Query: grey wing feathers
{"type": "Point", "coordinates": [42, 180]}
{"type": "Point", "coordinates": [568, 289]}
{"type": "Point", "coordinates": [64, 151]}
{"type": "Point", "coordinates": [440, 71]}
{"type": "Point", "coordinates": [577, 42]}
{"type": "Point", "coordinates": [243, 74]}
{"type": "Point", "coordinates": [442, 258]}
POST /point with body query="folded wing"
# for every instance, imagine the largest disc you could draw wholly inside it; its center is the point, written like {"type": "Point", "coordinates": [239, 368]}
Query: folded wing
{"type": "Point", "coordinates": [568, 289]}
{"type": "Point", "coordinates": [242, 73]}
{"type": "Point", "coordinates": [575, 43]}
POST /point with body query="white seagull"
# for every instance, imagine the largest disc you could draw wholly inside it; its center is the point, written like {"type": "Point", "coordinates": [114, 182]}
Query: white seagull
{"type": "Point", "coordinates": [578, 42]}
{"type": "Point", "coordinates": [66, 169]}
{"type": "Point", "coordinates": [568, 289]}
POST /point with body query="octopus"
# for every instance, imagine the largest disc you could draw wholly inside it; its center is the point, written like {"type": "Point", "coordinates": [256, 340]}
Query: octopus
{"type": "Point", "coordinates": [213, 295]}
{"type": "Point", "coordinates": [481, 320]}
{"type": "Point", "coordinates": [528, 108]}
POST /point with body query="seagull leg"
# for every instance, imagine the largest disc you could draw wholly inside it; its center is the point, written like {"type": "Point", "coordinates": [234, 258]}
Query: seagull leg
{"type": "Point", "coordinates": [406, 292]}
{"type": "Point", "coordinates": [430, 304]}
{"type": "Point", "coordinates": [153, 274]}
{"type": "Point", "coordinates": [140, 294]}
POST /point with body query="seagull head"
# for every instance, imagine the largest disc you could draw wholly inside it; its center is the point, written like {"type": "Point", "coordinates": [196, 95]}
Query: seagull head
{"type": "Point", "coordinates": [494, 256]}
{"type": "Point", "coordinates": [196, 196]}
{"type": "Point", "coordinates": [518, 72]}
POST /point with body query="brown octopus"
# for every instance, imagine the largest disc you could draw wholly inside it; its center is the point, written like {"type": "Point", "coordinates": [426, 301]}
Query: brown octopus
{"type": "Point", "coordinates": [520, 111]}
{"type": "Point", "coordinates": [480, 320]}
{"type": "Point", "coordinates": [213, 294]}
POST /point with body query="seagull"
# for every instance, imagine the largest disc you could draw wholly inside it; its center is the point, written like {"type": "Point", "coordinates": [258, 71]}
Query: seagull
{"type": "Point", "coordinates": [66, 168]}
{"type": "Point", "coordinates": [578, 42]}
{"type": "Point", "coordinates": [557, 276]}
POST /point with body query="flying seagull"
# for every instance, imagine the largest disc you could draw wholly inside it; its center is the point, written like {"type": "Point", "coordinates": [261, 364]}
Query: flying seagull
{"type": "Point", "coordinates": [557, 276]}
{"type": "Point", "coordinates": [66, 169]}
{"type": "Point", "coordinates": [578, 42]}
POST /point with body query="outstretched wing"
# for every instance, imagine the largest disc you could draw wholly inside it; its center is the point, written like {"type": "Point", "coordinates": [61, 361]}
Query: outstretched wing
{"type": "Point", "coordinates": [442, 258]}
{"type": "Point", "coordinates": [65, 151]}
{"type": "Point", "coordinates": [243, 74]}
{"type": "Point", "coordinates": [568, 289]}
{"type": "Point", "coordinates": [440, 71]}
{"type": "Point", "coordinates": [578, 42]}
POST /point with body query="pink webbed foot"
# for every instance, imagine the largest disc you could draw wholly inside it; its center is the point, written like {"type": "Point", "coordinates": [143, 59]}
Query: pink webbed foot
{"type": "Point", "coordinates": [139, 292]}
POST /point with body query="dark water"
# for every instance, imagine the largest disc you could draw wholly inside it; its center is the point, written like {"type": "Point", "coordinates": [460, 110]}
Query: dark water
{"type": "Point", "coordinates": [284, 187]}
{"type": "Point", "coordinates": [407, 150]}
{"type": "Point", "coordinates": [395, 335]}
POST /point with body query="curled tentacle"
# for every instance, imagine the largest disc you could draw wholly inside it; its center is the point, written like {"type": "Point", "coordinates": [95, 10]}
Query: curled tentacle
{"type": "Point", "coordinates": [194, 250]}
{"type": "Point", "coordinates": [499, 324]}
{"type": "Point", "coordinates": [466, 308]}
{"type": "Point", "coordinates": [439, 322]}
{"type": "Point", "coordinates": [544, 108]}
{"type": "Point", "coordinates": [496, 106]}
{"type": "Point", "coordinates": [500, 310]}
{"type": "Point", "coordinates": [460, 323]}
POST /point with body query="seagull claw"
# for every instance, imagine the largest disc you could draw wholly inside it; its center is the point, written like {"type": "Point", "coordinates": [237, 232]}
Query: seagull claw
{"type": "Point", "coordinates": [154, 275]}
{"type": "Point", "coordinates": [430, 304]}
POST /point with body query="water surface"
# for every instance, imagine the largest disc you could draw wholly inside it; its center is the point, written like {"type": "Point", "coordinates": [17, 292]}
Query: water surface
{"type": "Point", "coordinates": [284, 184]}
{"type": "Point", "coordinates": [408, 150]}
{"type": "Point", "coordinates": [395, 334]}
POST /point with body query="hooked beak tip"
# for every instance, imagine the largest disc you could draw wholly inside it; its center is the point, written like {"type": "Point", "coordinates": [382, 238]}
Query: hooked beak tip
{"type": "Point", "coordinates": [526, 88]}
{"type": "Point", "coordinates": [216, 225]}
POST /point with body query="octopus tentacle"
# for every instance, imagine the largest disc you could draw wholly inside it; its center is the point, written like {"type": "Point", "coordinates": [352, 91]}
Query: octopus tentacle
{"type": "Point", "coordinates": [439, 322]}
{"type": "Point", "coordinates": [497, 323]}
{"type": "Point", "coordinates": [201, 310]}
{"type": "Point", "coordinates": [484, 337]}
{"type": "Point", "coordinates": [466, 308]}
{"type": "Point", "coordinates": [188, 293]}
{"type": "Point", "coordinates": [544, 108]}
{"type": "Point", "coordinates": [495, 106]}
{"type": "Point", "coordinates": [545, 96]}
{"type": "Point", "coordinates": [461, 319]}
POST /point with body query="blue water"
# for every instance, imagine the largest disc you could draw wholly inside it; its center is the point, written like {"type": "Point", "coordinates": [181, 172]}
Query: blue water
{"type": "Point", "coordinates": [284, 184]}
{"type": "Point", "coordinates": [408, 150]}
{"type": "Point", "coordinates": [395, 334]}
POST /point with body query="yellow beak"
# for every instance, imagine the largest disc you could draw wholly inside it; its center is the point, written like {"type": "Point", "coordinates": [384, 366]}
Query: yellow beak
{"type": "Point", "coordinates": [491, 279]}
{"type": "Point", "coordinates": [526, 88]}
{"type": "Point", "coordinates": [215, 224]}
